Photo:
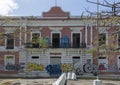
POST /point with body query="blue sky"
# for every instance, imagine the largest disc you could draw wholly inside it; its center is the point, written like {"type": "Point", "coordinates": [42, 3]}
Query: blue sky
{"type": "Point", "coordinates": [36, 7]}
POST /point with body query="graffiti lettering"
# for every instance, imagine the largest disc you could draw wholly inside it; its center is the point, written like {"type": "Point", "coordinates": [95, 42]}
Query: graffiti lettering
{"type": "Point", "coordinates": [80, 69]}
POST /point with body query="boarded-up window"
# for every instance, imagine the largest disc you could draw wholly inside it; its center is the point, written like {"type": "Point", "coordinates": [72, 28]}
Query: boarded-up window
{"type": "Point", "coordinates": [76, 59]}
{"type": "Point", "coordinates": [55, 60]}
{"type": "Point", "coordinates": [35, 59]}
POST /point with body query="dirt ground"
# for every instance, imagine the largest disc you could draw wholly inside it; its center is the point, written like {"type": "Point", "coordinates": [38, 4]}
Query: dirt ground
{"type": "Point", "coordinates": [50, 81]}
{"type": "Point", "coordinates": [90, 82]}
{"type": "Point", "coordinates": [26, 81]}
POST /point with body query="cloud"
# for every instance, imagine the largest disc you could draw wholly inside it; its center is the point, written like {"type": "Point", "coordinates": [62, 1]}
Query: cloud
{"type": "Point", "coordinates": [7, 6]}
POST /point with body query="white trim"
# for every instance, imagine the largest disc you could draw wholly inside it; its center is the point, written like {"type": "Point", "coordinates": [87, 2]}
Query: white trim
{"type": "Point", "coordinates": [25, 37]}
{"type": "Point", "coordinates": [117, 41]}
{"type": "Point", "coordinates": [74, 33]}
{"type": "Point", "coordinates": [106, 38]}
{"type": "Point", "coordinates": [86, 35]}
{"type": "Point", "coordinates": [20, 37]}
{"type": "Point", "coordinates": [118, 61]}
{"type": "Point", "coordinates": [52, 36]}
{"type": "Point", "coordinates": [91, 37]}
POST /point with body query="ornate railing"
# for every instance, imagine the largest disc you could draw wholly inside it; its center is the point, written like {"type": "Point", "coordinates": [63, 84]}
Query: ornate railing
{"type": "Point", "coordinates": [61, 45]}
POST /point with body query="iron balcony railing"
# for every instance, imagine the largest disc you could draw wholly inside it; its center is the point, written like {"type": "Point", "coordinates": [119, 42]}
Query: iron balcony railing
{"type": "Point", "coordinates": [61, 45]}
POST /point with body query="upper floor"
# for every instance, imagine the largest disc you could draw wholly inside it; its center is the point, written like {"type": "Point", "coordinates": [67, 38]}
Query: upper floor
{"type": "Point", "coordinates": [56, 29]}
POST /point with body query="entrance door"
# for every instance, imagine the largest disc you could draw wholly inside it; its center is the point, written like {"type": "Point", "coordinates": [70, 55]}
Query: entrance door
{"type": "Point", "coordinates": [56, 40]}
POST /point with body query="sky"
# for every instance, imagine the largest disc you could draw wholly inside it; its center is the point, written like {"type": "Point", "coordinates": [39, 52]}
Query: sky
{"type": "Point", "coordinates": [36, 7]}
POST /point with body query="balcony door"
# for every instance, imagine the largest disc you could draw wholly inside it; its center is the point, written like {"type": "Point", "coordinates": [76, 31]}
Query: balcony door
{"type": "Point", "coordinates": [76, 40]}
{"type": "Point", "coordinates": [55, 40]}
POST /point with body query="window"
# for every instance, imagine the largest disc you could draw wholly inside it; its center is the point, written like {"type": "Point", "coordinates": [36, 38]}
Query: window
{"type": "Point", "coordinates": [35, 59]}
{"type": "Point", "coordinates": [103, 63]}
{"type": "Point", "coordinates": [10, 41]}
{"type": "Point", "coordinates": [118, 39]}
{"type": "Point", "coordinates": [76, 59]}
{"type": "Point", "coordinates": [102, 39]}
{"type": "Point", "coordinates": [9, 59]}
{"type": "Point", "coordinates": [56, 40]}
{"type": "Point", "coordinates": [9, 62]}
{"type": "Point", "coordinates": [35, 40]}
{"type": "Point", "coordinates": [76, 40]}
{"type": "Point", "coordinates": [118, 62]}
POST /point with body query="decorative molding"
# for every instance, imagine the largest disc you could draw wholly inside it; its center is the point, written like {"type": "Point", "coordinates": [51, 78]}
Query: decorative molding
{"type": "Point", "coordinates": [36, 30]}
{"type": "Point", "coordinates": [55, 28]}
{"type": "Point", "coordinates": [76, 29]}
{"type": "Point", "coordinates": [9, 30]}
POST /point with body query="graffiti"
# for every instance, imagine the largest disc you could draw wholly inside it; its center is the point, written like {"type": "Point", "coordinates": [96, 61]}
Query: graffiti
{"type": "Point", "coordinates": [67, 67]}
{"type": "Point", "coordinates": [113, 68]}
{"type": "Point", "coordinates": [35, 67]}
{"type": "Point", "coordinates": [12, 67]}
{"type": "Point", "coordinates": [102, 66]}
{"type": "Point", "coordinates": [80, 69]}
{"type": "Point", "coordinates": [54, 69]}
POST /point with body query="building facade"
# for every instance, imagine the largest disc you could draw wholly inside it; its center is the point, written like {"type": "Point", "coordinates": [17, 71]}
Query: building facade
{"type": "Point", "coordinates": [68, 39]}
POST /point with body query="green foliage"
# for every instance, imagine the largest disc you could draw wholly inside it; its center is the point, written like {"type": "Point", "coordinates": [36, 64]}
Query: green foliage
{"type": "Point", "coordinates": [43, 42]}
{"type": "Point", "coordinates": [92, 50]}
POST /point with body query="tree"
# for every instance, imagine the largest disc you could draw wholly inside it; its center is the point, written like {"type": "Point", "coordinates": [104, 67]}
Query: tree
{"type": "Point", "coordinates": [109, 20]}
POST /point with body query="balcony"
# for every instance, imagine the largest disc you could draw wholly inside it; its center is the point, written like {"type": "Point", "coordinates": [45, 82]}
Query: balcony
{"type": "Point", "coordinates": [61, 45]}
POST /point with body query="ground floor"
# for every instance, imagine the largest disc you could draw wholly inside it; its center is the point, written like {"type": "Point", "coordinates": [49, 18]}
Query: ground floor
{"type": "Point", "coordinates": [41, 61]}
